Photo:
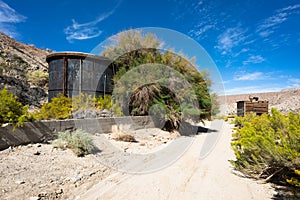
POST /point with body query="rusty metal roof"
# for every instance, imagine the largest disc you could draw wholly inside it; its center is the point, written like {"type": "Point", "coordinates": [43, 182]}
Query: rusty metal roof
{"type": "Point", "coordinates": [57, 55]}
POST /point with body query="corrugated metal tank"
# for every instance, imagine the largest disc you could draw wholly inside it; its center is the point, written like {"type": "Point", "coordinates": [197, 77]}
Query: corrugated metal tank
{"type": "Point", "coordinates": [71, 73]}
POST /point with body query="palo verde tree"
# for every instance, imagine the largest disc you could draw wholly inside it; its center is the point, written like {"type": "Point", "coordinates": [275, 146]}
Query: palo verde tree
{"type": "Point", "coordinates": [154, 77]}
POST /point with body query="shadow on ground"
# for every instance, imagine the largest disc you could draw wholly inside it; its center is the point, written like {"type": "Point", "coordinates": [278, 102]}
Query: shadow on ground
{"type": "Point", "coordinates": [283, 192]}
{"type": "Point", "coordinates": [187, 129]}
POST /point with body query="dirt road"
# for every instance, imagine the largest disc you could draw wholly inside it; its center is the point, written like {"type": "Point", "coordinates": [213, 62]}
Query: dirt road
{"type": "Point", "coordinates": [189, 177]}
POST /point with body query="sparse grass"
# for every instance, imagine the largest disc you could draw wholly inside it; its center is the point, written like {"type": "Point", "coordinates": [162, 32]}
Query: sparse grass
{"type": "Point", "coordinates": [38, 78]}
{"type": "Point", "coordinates": [122, 133]}
{"type": "Point", "coordinates": [125, 138]}
{"type": "Point", "coordinates": [79, 141]}
{"type": "Point", "coordinates": [223, 117]}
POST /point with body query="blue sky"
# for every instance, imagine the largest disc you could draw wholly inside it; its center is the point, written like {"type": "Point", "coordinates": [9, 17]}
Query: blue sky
{"type": "Point", "coordinates": [255, 44]}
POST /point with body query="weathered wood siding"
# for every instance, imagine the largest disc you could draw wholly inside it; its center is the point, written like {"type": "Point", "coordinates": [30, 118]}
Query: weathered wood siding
{"type": "Point", "coordinates": [258, 107]}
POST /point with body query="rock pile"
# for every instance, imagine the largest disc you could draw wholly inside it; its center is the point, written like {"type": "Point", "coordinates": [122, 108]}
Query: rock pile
{"type": "Point", "coordinates": [90, 113]}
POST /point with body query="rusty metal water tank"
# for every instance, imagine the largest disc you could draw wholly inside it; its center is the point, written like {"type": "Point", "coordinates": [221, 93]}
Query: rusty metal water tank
{"type": "Point", "coordinates": [71, 73]}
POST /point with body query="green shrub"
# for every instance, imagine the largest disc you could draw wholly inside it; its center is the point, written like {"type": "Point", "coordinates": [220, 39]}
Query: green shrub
{"type": "Point", "coordinates": [268, 146]}
{"type": "Point", "coordinates": [102, 103]}
{"type": "Point", "coordinates": [116, 109]}
{"type": "Point", "coordinates": [59, 108]}
{"type": "Point", "coordinates": [83, 101]}
{"type": "Point", "coordinates": [222, 117]}
{"type": "Point", "coordinates": [79, 141]}
{"type": "Point", "coordinates": [11, 110]}
{"type": "Point", "coordinates": [38, 78]}
{"type": "Point", "coordinates": [240, 121]}
{"type": "Point", "coordinates": [132, 50]}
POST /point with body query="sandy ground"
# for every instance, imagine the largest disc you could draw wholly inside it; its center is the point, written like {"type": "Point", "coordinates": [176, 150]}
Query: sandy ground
{"type": "Point", "coordinates": [152, 168]}
{"type": "Point", "coordinates": [39, 170]}
{"type": "Point", "coordinates": [190, 177]}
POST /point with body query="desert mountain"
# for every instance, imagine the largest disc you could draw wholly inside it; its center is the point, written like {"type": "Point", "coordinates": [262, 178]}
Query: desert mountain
{"type": "Point", "coordinates": [23, 71]}
{"type": "Point", "coordinates": [285, 100]}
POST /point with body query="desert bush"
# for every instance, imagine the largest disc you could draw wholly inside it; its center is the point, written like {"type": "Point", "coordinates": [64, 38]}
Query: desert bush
{"type": "Point", "coordinates": [86, 101]}
{"type": "Point", "coordinates": [268, 146]}
{"type": "Point", "coordinates": [222, 117]}
{"type": "Point", "coordinates": [83, 101]}
{"type": "Point", "coordinates": [122, 133]}
{"type": "Point", "coordinates": [132, 49]}
{"type": "Point", "coordinates": [38, 78]}
{"type": "Point", "coordinates": [102, 103]}
{"type": "Point", "coordinates": [116, 109]}
{"type": "Point", "coordinates": [240, 121]}
{"type": "Point", "coordinates": [11, 110]}
{"type": "Point", "coordinates": [79, 141]}
{"type": "Point", "coordinates": [59, 108]}
{"type": "Point", "coordinates": [125, 138]}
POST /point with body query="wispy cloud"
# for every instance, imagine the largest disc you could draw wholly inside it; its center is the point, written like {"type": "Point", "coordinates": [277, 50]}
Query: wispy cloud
{"type": "Point", "coordinates": [293, 7]}
{"type": "Point", "coordinates": [254, 59]}
{"type": "Point", "coordinates": [250, 76]}
{"type": "Point", "coordinates": [294, 82]}
{"type": "Point", "coordinates": [88, 30]}
{"type": "Point", "coordinates": [230, 39]}
{"type": "Point", "coordinates": [253, 89]}
{"type": "Point", "coordinates": [270, 24]}
{"type": "Point", "coordinates": [267, 27]}
{"type": "Point", "coordinates": [8, 17]}
{"type": "Point", "coordinates": [198, 32]}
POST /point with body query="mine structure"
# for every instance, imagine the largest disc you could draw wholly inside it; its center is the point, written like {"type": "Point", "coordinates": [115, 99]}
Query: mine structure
{"type": "Point", "coordinates": [253, 105]}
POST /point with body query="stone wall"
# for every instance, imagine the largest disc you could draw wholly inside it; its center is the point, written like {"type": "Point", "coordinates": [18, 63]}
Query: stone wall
{"type": "Point", "coordinates": [43, 131]}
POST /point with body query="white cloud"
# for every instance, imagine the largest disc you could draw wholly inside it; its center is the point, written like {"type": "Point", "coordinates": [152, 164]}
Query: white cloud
{"type": "Point", "coordinates": [229, 39]}
{"type": "Point", "coordinates": [8, 17]}
{"type": "Point", "coordinates": [243, 50]}
{"type": "Point", "coordinates": [289, 8]}
{"type": "Point", "coordinates": [266, 33]}
{"type": "Point", "coordinates": [84, 31]}
{"type": "Point", "coordinates": [273, 21]}
{"type": "Point", "coordinates": [294, 82]}
{"type": "Point", "coordinates": [253, 89]}
{"type": "Point", "coordinates": [270, 24]}
{"type": "Point", "coordinates": [255, 59]}
{"type": "Point", "coordinates": [250, 76]}
{"type": "Point", "coordinates": [200, 31]}
{"type": "Point", "coordinates": [87, 30]}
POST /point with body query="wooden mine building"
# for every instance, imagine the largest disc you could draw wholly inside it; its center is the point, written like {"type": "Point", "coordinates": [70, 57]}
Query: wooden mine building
{"type": "Point", "coordinates": [258, 107]}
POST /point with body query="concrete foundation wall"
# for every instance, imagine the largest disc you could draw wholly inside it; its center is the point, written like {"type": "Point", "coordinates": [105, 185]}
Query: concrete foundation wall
{"type": "Point", "coordinates": [43, 131]}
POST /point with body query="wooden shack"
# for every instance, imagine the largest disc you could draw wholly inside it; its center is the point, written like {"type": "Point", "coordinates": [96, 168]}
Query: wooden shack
{"type": "Point", "coordinates": [258, 107]}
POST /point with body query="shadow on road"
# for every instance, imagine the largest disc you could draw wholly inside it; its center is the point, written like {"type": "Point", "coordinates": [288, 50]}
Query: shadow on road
{"type": "Point", "coordinates": [187, 129]}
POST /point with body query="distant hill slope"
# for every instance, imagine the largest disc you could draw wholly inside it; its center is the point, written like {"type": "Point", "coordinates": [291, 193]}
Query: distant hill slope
{"type": "Point", "coordinates": [24, 71]}
{"type": "Point", "coordinates": [285, 100]}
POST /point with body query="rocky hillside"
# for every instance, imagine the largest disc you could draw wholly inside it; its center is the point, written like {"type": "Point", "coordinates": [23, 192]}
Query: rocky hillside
{"type": "Point", "coordinates": [23, 71]}
{"type": "Point", "coordinates": [285, 100]}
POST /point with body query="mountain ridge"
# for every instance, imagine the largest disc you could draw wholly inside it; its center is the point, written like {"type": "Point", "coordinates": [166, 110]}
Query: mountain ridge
{"type": "Point", "coordinates": [285, 100]}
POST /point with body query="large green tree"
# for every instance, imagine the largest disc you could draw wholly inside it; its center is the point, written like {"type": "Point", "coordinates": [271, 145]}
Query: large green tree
{"type": "Point", "coordinates": [148, 76]}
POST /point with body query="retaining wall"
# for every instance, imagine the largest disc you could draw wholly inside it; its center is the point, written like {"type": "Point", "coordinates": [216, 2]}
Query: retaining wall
{"type": "Point", "coordinates": [43, 131]}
